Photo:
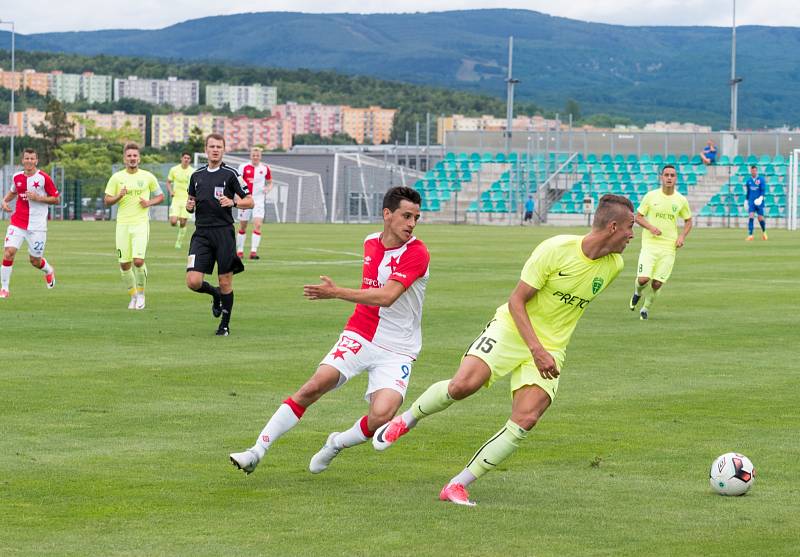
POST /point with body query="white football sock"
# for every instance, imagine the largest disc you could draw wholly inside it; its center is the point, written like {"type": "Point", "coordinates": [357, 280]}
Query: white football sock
{"type": "Point", "coordinates": [464, 478]}
{"type": "Point", "coordinates": [255, 240]}
{"type": "Point", "coordinates": [5, 276]}
{"type": "Point", "coordinates": [352, 437]}
{"type": "Point", "coordinates": [281, 421]}
{"type": "Point", "coordinates": [240, 238]}
{"type": "Point", "coordinates": [46, 268]}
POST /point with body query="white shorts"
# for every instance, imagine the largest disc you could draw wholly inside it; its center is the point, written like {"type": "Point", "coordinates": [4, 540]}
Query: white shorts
{"type": "Point", "coordinates": [257, 212]}
{"type": "Point", "coordinates": [353, 354]}
{"type": "Point", "coordinates": [36, 240]}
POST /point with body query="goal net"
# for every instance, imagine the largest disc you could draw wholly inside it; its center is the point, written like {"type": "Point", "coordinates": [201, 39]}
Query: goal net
{"type": "Point", "coordinates": [297, 195]}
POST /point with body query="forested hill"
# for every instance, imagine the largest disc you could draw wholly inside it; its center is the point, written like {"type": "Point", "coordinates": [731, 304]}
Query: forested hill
{"type": "Point", "coordinates": [647, 73]}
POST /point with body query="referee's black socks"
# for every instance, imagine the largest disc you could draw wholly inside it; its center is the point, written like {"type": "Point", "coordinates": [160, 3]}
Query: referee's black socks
{"type": "Point", "coordinates": [206, 288]}
{"type": "Point", "coordinates": [227, 308]}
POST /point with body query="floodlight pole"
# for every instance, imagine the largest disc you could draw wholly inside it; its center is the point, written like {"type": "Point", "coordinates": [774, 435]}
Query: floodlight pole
{"type": "Point", "coordinates": [510, 81]}
{"type": "Point", "coordinates": [13, 78]}
{"type": "Point", "coordinates": [734, 82]}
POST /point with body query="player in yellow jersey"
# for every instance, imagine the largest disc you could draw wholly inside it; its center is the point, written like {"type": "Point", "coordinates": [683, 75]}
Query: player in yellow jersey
{"type": "Point", "coordinates": [178, 187]}
{"type": "Point", "coordinates": [527, 339]}
{"type": "Point", "coordinates": [658, 214]}
{"type": "Point", "coordinates": [135, 190]}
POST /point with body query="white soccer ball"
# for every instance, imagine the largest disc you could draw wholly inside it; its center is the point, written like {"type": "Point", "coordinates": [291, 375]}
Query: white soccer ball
{"type": "Point", "coordinates": [732, 474]}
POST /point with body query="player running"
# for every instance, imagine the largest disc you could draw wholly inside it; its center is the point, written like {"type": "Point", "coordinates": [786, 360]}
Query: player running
{"type": "Point", "coordinates": [178, 187]}
{"type": "Point", "coordinates": [383, 336]}
{"type": "Point", "coordinates": [259, 181]}
{"type": "Point", "coordinates": [527, 339]}
{"type": "Point", "coordinates": [36, 191]}
{"type": "Point", "coordinates": [658, 214]}
{"type": "Point", "coordinates": [132, 189]}
{"type": "Point", "coordinates": [756, 188]}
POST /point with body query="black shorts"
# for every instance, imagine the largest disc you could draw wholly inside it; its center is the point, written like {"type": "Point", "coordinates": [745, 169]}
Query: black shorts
{"type": "Point", "coordinates": [214, 244]}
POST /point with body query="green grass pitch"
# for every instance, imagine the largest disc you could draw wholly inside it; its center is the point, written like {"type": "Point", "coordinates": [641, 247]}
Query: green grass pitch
{"type": "Point", "coordinates": [115, 425]}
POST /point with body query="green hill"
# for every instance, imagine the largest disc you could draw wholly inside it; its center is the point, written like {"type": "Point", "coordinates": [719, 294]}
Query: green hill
{"type": "Point", "coordinates": [647, 73]}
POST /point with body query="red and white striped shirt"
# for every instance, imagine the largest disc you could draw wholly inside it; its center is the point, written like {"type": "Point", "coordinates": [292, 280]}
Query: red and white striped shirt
{"type": "Point", "coordinates": [31, 215]}
{"type": "Point", "coordinates": [256, 177]}
{"type": "Point", "coordinates": [397, 328]}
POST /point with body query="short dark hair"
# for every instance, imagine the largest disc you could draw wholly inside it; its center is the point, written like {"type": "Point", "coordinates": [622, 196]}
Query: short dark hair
{"type": "Point", "coordinates": [218, 136]}
{"type": "Point", "coordinates": [29, 151]}
{"type": "Point", "coordinates": [130, 145]}
{"type": "Point", "coordinates": [666, 166]}
{"type": "Point", "coordinates": [186, 154]}
{"type": "Point", "coordinates": [754, 166]}
{"type": "Point", "coordinates": [396, 194]}
{"type": "Point", "coordinates": [608, 207]}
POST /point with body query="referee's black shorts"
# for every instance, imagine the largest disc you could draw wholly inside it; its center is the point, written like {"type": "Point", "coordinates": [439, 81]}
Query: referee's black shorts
{"type": "Point", "coordinates": [214, 244]}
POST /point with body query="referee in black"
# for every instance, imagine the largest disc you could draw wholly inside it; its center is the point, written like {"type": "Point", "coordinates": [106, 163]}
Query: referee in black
{"type": "Point", "coordinates": [213, 190]}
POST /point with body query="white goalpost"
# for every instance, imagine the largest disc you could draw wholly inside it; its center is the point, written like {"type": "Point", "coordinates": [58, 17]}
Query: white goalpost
{"type": "Point", "coordinates": [792, 194]}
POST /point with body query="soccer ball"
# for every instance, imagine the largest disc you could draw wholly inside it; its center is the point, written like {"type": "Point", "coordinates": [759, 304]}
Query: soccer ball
{"type": "Point", "coordinates": [732, 474]}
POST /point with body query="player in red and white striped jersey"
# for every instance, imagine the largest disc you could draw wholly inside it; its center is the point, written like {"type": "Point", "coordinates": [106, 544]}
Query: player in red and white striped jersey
{"type": "Point", "coordinates": [259, 181]}
{"type": "Point", "coordinates": [383, 336]}
{"type": "Point", "coordinates": [34, 191]}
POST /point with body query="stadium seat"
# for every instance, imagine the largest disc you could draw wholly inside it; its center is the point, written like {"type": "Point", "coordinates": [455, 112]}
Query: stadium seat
{"type": "Point", "coordinates": [779, 160]}
{"type": "Point", "coordinates": [724, 160]}
{"type": "Point", "coordinates": [705, 211]}
{"type": "Point", "coordinates": [696, 160]}
{"type": "Point", "coordinates": [683, 159]}
{"type": "Point", "coordinates": [738, 159]}
{"type": "Point", "coordinates": [764, 159]}
{"type": "Point", "coordinates": [500, 157]}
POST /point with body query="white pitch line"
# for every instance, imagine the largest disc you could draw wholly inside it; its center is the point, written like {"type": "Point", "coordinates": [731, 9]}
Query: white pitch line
{"type": "Point", "coordinates": [306, 263]}
{"type": "Point", "coordinates": [332, 251]}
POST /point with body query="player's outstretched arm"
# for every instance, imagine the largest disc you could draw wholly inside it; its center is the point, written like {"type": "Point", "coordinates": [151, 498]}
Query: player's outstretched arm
{"type": "Point", "coordinates": [384, 296]}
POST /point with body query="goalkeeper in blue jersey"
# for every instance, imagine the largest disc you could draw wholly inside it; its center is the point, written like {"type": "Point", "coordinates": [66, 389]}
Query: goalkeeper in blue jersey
{"type": "Point", "coordinates": [756, 188]}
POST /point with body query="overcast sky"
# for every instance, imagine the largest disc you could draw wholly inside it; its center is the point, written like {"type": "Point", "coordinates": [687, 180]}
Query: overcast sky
{"type": "Point", "coordinates": [40, 16]}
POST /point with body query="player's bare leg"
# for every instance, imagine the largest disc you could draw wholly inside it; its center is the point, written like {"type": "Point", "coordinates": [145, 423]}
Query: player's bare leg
{"type": "Point", "coordinates": [472, 374]}
{"type": "Point", "coordinates": [288, 415]}
{"type": "Point", "coordinates": [384, 404]}
{"type": "Point", "coordinates": [5, 271]}
{"type": "Point", "coordinates": [196, 281]}
{"type": "Point", "coordinates": [529, 403]}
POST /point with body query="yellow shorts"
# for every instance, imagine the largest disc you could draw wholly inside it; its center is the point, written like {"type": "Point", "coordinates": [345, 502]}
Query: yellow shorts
{"type": "Point", "coordinates": [178, 208]}
{"type": "Point", "coordinates": [655, 264]}
{"type": "Point", "coordinates": [132, 241]}
{"type": "Point", "coordinates": [503, 350]}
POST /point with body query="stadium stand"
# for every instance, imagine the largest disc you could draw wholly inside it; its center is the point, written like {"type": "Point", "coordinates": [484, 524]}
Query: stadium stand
{"type": "Point", "coordinates": [492, 187]}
